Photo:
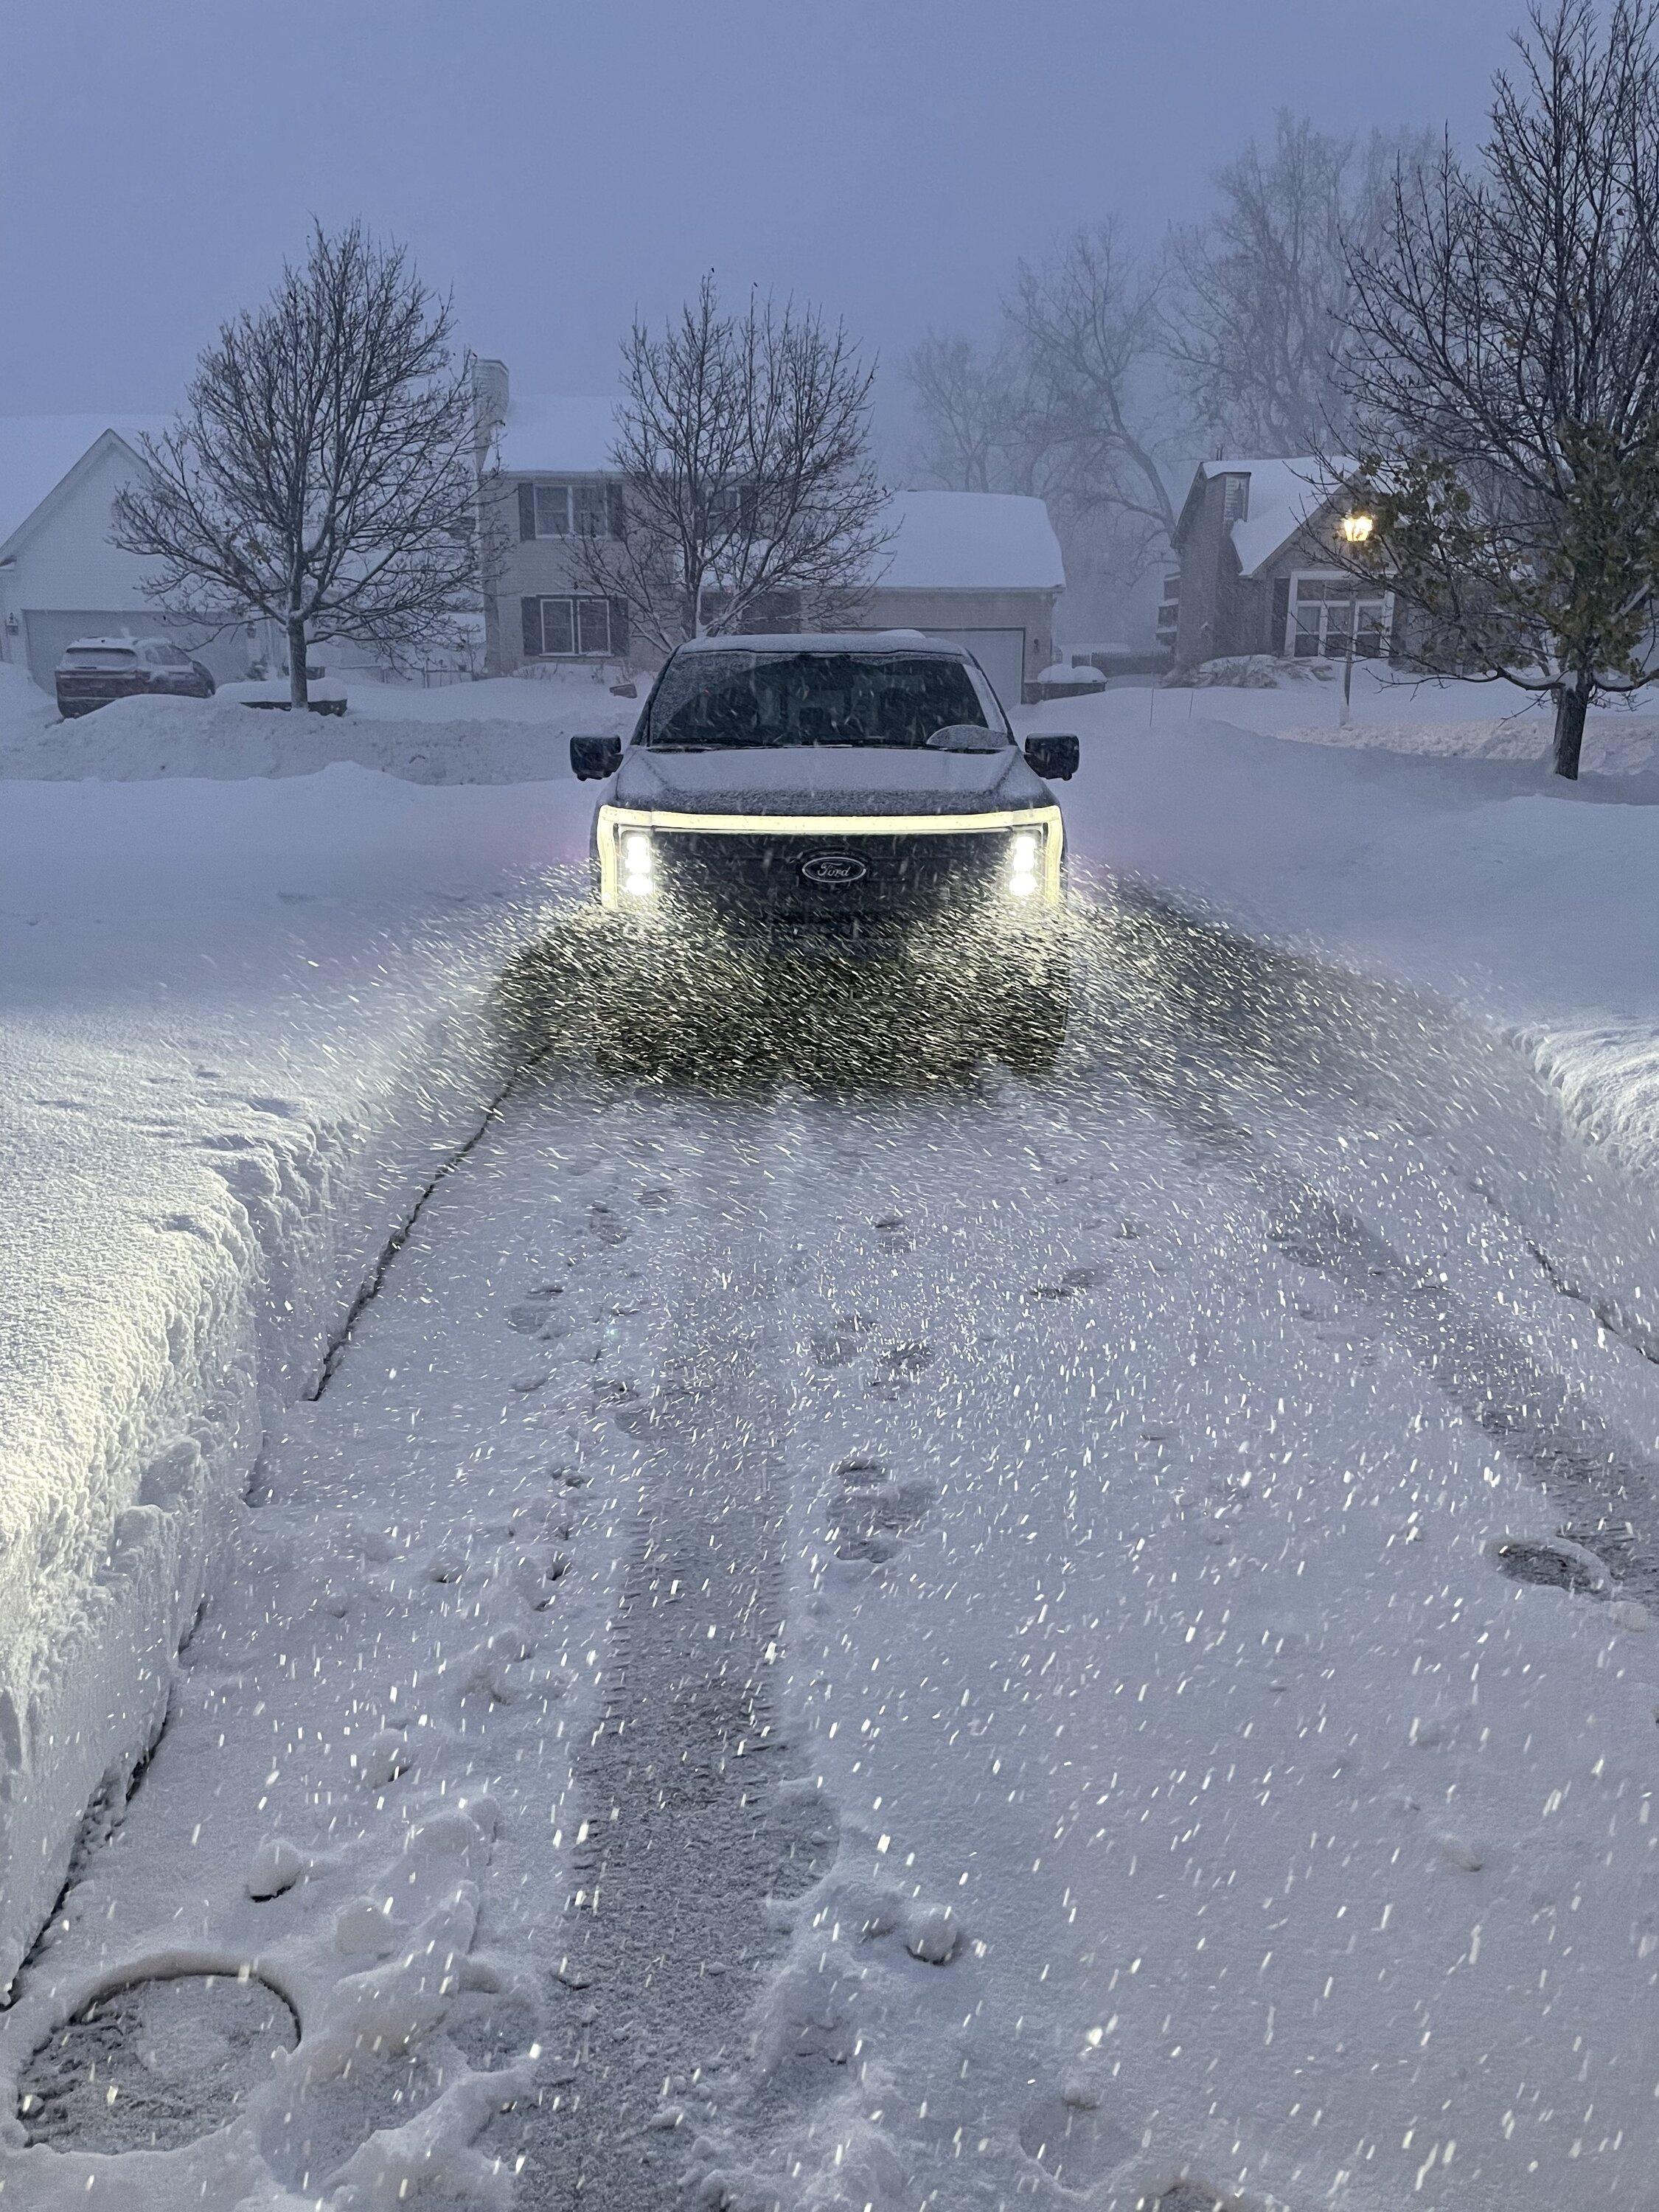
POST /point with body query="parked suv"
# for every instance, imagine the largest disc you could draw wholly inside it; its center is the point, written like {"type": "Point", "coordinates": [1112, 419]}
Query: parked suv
{"type": "Point", "coordinates": [96, 670]}
{"type": "Point", "coordinates": [850, 798]}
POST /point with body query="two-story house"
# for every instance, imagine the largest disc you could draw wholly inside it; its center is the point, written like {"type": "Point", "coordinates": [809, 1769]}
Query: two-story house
{"type": "Point", "coordinates": [982, 568]}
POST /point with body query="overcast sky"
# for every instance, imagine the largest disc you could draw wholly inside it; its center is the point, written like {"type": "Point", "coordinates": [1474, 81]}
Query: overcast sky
{"type": "Point", "coordinates": [562, 166]}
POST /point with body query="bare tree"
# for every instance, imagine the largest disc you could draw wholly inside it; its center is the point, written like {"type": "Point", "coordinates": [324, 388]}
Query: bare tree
{"type": "Point", "coordinates": [1507, 369]}
{"type": "Point", "coordinates": [972, 410]}
{"type": "Point", "coordinates": [1261, 320]}
{"type": "Point", "coordinates": [322, 471]}
{"type": "Point", "coordinates": [1090, 328]}
{"type": "Point", "coordinates": [743, 449]}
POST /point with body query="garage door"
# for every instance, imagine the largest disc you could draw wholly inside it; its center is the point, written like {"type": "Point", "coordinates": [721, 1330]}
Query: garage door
{"type": "Point", "coordinates": [999, 653]}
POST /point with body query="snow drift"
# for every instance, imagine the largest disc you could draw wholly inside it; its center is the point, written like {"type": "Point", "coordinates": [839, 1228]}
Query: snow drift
{"type": "Point", "coordinates": [246, 1023]}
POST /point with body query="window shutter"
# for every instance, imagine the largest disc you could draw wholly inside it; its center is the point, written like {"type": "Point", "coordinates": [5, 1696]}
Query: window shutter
{"type": "Point", "coordinates": [532, 611]}
{"type": "Point", "coordinates": [613, 509]}
{"type": "Point", "coordinates": [528, 516]}
{"type": "Point", "coordinates": [619, 644]}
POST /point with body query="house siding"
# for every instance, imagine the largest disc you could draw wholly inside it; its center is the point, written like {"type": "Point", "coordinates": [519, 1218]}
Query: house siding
{"type": "Point", "coordinates": [545, 568]}
{"type": "Point", "coordinates": [525, 568]}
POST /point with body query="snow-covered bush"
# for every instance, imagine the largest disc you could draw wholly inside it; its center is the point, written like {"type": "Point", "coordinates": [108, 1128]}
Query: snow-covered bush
{"type": "Point", "coordinates": [1246, 672]}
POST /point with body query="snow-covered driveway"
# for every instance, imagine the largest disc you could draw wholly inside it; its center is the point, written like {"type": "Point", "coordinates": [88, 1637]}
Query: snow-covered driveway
{"type": "Point", "coordinates": [923, 1642]}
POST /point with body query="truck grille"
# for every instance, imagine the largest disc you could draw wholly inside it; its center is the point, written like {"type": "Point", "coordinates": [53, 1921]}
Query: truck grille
{"type": "Point", "coordinates": [833, 879]}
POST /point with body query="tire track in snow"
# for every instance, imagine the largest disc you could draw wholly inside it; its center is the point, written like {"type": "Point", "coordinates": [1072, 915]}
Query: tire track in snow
{"type": "Point", "coordinates": [1227, 1032]}
{"type": "Point", "coordinates": [654, 1963]}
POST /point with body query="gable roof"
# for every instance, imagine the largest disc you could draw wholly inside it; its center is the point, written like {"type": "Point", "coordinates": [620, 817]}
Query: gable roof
{"type": "Point", "coordinates": [38, 451]}
{"type": "Point", "coordinates": [969, 541]}
{"type": "Point", "coordinates": [1286, 494]}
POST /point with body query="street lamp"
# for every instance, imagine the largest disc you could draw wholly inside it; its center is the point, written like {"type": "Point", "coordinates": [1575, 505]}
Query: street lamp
{"type": "Point", "coordinates": [1356, 531]}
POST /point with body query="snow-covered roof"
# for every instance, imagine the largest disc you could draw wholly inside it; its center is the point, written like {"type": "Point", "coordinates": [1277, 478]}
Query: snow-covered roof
{"type": "Point", "coordinates": [37, 451]}
{"type": "Point", "coordinates": [548, 434]}
{"type": "Point", "coordinates": [1284, 494]}
{"type": "Point", "coordinates": [943, 541]}
{"type": "Point", "coordinates": [970, 541]}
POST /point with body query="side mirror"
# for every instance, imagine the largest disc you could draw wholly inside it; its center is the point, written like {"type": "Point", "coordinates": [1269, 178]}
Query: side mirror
{"type": "Point", "coordinates": [593, 759]}
{"type": "Point", "coordinates": [1053, 756]}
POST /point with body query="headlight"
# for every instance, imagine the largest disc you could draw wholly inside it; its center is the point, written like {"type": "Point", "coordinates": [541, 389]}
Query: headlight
{"type": "Point", "coordinates": [1024, 863]}
{"type": "Point", "coordinates": [638, 863]}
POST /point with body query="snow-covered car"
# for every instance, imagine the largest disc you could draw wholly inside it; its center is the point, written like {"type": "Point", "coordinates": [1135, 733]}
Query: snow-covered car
{"type": "Point", "coordinates": [96, 670]}
{"type": "Point", "coordinates": [845, 797]}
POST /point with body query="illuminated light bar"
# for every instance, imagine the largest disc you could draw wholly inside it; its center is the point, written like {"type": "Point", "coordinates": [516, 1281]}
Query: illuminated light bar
{"type": "Point", "coordinates": [613, 820]}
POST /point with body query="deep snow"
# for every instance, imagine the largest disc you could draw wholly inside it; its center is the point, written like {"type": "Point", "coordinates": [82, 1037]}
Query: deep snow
{"type": "Point", "coordinates": [1307, 1865]}
{"type": "Point", "coordinates": [244, 1022]}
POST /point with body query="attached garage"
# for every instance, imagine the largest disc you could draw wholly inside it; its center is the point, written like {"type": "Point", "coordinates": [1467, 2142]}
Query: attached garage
{"type": "Point", "coordinates": [999, 653]}
{"type": "Point", "coordinates": [982, 568]}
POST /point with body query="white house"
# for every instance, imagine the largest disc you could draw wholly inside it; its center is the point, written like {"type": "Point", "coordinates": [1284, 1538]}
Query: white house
{"type": "Point", "coordinates": [981, 567]}
{"type": "Point", "coordinates": [60, 577]}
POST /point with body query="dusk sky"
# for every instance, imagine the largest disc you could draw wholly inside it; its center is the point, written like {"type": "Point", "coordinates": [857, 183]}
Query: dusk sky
{"type": "Point", "coordinates": [561, 167]}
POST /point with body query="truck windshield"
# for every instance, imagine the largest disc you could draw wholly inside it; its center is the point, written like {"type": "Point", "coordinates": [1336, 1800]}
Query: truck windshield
{"type": "Point", "coordinates": [745, 698]}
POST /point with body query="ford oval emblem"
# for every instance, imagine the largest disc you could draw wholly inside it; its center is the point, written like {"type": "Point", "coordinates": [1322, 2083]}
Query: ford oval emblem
{"type": "Point", "coordinates": [833, 868]}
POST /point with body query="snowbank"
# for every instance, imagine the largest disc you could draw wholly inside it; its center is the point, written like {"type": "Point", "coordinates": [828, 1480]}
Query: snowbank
{"type": "Point", "coordinates": [25, 709]}
{"type": "Point", "coordinates": [243, 1024]}
{"type": "Point", "coordinates": [504, 730]}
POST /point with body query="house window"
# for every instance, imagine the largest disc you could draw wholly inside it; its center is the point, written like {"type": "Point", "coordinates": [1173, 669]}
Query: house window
{"type": "Point", "coordinates": [575, 627]}
{"type": "Point", "coordinates": [1322, 609]}
{"type": "Point", "coordinates": [1236, 497]}
{"type": "Point", "coordinates": [573, 510]}
{"type": "Point", "coordinates": [587, 510]}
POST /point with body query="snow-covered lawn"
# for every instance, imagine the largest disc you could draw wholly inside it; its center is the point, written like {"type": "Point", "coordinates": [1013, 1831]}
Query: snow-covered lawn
{"type": "Point", "coordinates": [1391, 713]}
{"type": "Point", "coordinates": [503, 731]}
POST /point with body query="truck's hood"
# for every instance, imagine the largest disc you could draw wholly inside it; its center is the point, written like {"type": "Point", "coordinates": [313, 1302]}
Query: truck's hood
{"type": "Point", "coordinates": [827, 779]}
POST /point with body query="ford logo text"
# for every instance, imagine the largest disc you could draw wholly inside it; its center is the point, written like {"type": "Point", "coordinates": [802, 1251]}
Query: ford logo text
{"type": "Point", "coordinates": [833, 868]}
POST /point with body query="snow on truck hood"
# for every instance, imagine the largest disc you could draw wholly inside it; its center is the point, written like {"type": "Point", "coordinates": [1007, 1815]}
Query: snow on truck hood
{"type": "Point", "coordinates": [827, 779]}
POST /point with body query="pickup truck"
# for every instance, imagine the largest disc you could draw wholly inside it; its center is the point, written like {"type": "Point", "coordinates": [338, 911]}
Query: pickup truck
{"type": "Point", "coordinates": [840, 799]}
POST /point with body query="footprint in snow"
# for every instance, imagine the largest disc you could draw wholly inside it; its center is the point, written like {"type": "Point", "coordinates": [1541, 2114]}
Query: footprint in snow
{"type": "Point", "coordinates": [892, 1233]}
{"type": "Point", "coordinates": [1071, 2138]}
{"type": "Point", "coordinates": [1552, 1563]}
{"type": "Point", "coordinates": [895, 1370]}
{"type": "Point", "coordinates": [839, 1343]}
{"type": "Point", "coordinates": [802, 1835]}
{"type": "Point", "coordinates": [534, 1315]}
{"type": "Point", "coordinates": [870, 1514]}
{"type": "Point", "coordinates": [676, 1409]}
{"type": "Point", "coordinates": [1074, 1280]}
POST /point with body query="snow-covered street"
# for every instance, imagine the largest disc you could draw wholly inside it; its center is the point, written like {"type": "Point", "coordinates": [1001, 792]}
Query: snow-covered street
{"type": "Point", "coordinates": [876, 1636]}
